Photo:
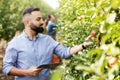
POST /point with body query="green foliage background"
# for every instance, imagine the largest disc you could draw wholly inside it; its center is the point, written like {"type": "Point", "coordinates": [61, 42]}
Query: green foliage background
{"type": "Point", "coordinates": [11, 15]}
{"type": "Point", "coordinates": [92, 63]}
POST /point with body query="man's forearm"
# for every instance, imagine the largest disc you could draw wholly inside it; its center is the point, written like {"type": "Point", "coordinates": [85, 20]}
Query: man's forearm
{"type": "Point", "coordinates": [18, 72]}
{"type": "Point", "coordinates": [80, 47]}
{"type": "Point", "coordinates": [76, 49]}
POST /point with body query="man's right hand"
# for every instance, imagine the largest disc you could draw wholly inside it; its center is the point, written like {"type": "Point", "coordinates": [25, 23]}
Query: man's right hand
{"type": "Point", "coordinates": [33, 71]}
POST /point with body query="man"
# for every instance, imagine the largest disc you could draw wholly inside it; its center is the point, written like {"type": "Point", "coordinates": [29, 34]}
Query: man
{"type": "Point", "coordinates": [29, 50]}
{"type": "Point", "coordinates": [51, 25]}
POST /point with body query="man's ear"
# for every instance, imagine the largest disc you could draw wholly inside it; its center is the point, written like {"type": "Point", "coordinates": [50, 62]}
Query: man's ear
{"type": "Point", "coordinates": [26, 22]}
{"type": "Point", "coordinates": [26, 19]}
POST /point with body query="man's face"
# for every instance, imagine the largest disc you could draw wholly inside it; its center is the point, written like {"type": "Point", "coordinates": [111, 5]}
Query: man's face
{"type": "Point", "coordinates": [36, 22]}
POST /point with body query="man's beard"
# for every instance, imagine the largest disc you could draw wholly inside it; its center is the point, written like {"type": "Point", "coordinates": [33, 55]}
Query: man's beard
{"type": "Point", "coordinates": [37, 29]}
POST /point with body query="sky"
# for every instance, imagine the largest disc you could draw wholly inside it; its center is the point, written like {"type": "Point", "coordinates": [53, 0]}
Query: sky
{"type": "Point", "coordinates": [53, 3]}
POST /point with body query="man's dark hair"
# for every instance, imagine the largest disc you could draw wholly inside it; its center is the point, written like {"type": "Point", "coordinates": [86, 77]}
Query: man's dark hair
{"type": "Point", "coordinates": [30, 10]}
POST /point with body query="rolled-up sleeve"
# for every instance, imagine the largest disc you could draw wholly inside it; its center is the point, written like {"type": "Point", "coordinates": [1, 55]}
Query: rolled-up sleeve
{"type": "Point", "coordinates": [62, 51]}
{"type": "Point", "coordinates": [9, 59]}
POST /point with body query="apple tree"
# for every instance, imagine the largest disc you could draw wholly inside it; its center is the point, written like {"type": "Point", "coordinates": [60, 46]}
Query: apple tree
{"type": "Point", "coordinates": [99, 19]}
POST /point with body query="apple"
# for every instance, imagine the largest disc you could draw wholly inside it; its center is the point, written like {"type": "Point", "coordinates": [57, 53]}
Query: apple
{"type": "Point", "coordinates": [80, 18]}
{"type": "Point", "coordinates": [112, 61]}
{"type": "Point", "coordinates": [55, 59]}
{"type": "Point", "coordinates": [93, 34]}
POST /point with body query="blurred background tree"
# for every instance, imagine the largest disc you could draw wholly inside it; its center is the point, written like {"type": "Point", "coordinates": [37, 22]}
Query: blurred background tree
{"type": "Point", "coordinates": [77, 20]}
{"type": "Point", "coordinates": [11, 15]}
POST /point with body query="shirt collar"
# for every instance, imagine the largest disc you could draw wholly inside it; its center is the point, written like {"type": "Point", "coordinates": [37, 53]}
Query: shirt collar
{"type": "Point", "coordinates": [24, 34]}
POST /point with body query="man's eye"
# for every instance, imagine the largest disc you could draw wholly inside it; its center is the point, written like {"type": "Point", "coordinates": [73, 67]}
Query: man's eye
{"type": "Point", "coordinates": [38, 19]}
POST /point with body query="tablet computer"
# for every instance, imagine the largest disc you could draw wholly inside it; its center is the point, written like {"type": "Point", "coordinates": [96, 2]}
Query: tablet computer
{"type": "Point", "coordinates": [51, 66]}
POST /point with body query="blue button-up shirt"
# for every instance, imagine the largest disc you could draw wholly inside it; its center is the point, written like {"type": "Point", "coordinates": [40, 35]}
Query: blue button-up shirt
{"type": "Point", "coordinates": [23, 53]}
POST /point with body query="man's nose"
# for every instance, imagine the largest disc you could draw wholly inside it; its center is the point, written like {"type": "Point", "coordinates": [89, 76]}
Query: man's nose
{"type": "Point", "coordinates": [41, 22]}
